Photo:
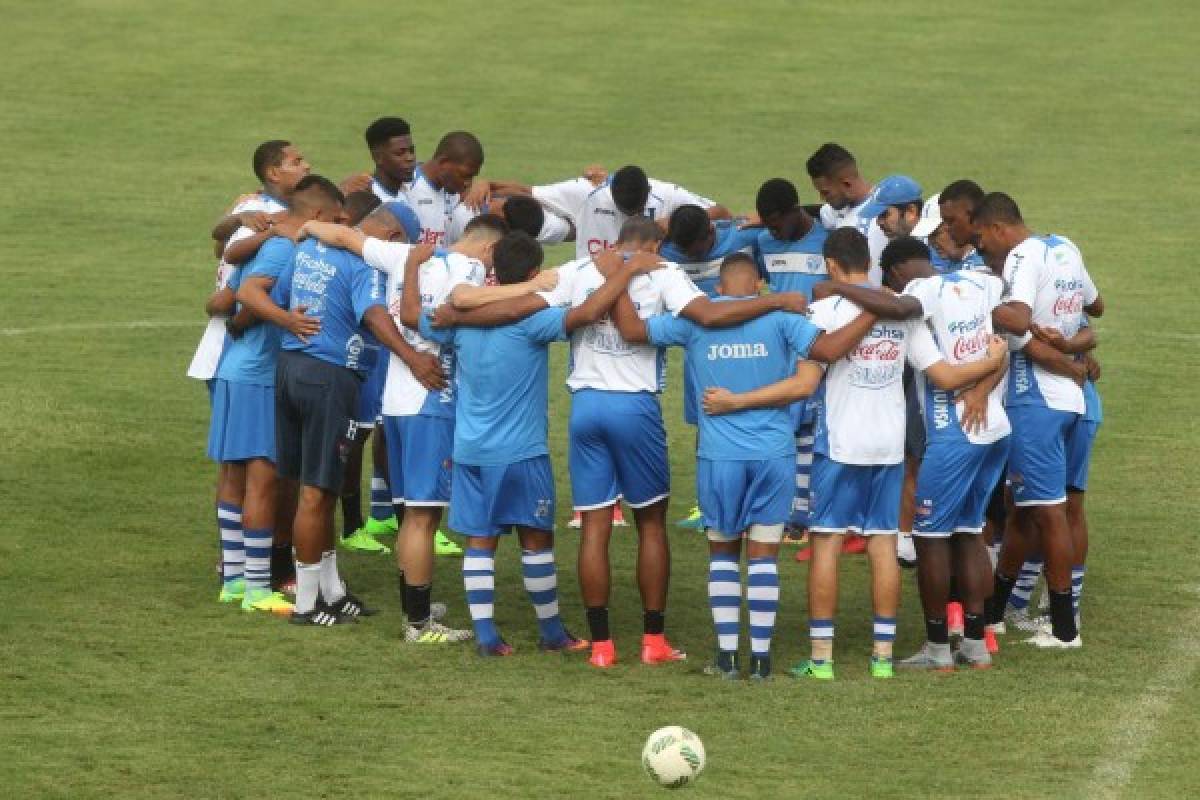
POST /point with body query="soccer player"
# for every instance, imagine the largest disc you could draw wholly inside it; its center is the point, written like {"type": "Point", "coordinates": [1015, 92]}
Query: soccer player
{"type": "Point", "coordinates": [1050, 287]}
{"type": "Point", "coordinates": [437, 187]}
{"type": "Point", "coordinates": [945, 253]}
{"type": "Point", "coordinates": [896, 205]}
{"type": "Point", "coordinates": [956, 206]}
{"type": "Point", "coordinates": [961, 462]}
{"type": "Point", "coordinates": [834, 174]}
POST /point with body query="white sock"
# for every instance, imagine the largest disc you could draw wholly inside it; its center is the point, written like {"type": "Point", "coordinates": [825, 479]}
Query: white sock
{"type": "Point", "coordinates": [308, 584]}
{"type": "Point", "coordinates": [332, 588]}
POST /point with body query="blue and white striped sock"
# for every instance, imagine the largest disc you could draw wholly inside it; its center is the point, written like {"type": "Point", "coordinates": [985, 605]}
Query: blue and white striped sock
{"type": "Point", "coordinates": [541, 583]}
{"type": "Point", "coordinates": [762, 602]}
{"type": "Point", "coordinates": [1027, 580]}
{"type": "Point", "coordinates": [233, 547]}
{"type": "Point", "coordinates": [725, 600]}
{"type": "Point", "coordinates": [479, 581]}
{"type": "Point", "coordinates": [820, 633]}
{"type": "Point", "coordinates": [1077, 573]}
{"type": "Point", "coordinates": [258, 558]}
{"type": "Point", "coordinates": [883, 633]}
{"type": "Point", "coordinates": [381, 497]}
{"type": "Point", "coordinates": [804, 460]}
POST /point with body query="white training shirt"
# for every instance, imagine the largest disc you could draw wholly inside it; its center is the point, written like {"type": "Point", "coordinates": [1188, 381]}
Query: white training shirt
{"type": "Point", "coordinates": [555, 229]}
{"type": "Point", "coordinates": [851, 216]}
{"type": "Point", "coordinates": [443, 215]}
{"type": "Point", "coordinates": [403, 394]}
{"type": "Point", "coordinates": [1047, 274]}
{"type": "Point", "coordinates": [958, 310]}
{"type": "Point", "coordinates": [599, 221]}
{"type": "Point", "coordinates": [212, 342]}
{"type": "Point", "coordinates": [565, 198]}
{"type": "Point", "coordinates": [861, 408]}
{"type": "Point", "coordinates": [380, 191]}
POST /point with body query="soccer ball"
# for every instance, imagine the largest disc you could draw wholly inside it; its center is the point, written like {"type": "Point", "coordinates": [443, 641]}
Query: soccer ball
{"type": "Point", "coordinates": [673, 756]}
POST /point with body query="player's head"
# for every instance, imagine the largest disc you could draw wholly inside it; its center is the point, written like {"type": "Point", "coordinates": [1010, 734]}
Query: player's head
{"type": "Point", "coordinates": [279, 165]}
{"type": "Point", "coordinates": [896, 205]}
{"type": "Point", "coordinates": [516, 257]}
{"type": "Point", "coordinates": [480, 236]}
{"type": "Point", "coordinates": [739, 276]}
{"type": "Point", "coordinates": [775, 200]}
{"type": "Point", "coordinates": [847, 256]}
{"type": "Point", "coordinates": [630, 188]}
{"type": "Point", "coordinates": [834, 174]}
{"type": "Point", "coordinates": [456, 161]}
{"type": "Point", "coordinates": [390, 141]}
{"type": "Point", "coordinates": [523, 213]}
{"type": "Point", "coordinates": [903, 260]}
{"type": "Point", "coordinates": [999, 226]}
{"type": "Point", "coordinates": [957, 203]}
{"type": "Point", "coordinates": [391, 222]}
{"type": "Point", "coordinates": [639, 234]}
{"type": "Point", "coordinates": [358, 205]}
{"type": "Point", "coordinates": [316, 197]}
{"type": "Point", "coordinates": [691, 231]}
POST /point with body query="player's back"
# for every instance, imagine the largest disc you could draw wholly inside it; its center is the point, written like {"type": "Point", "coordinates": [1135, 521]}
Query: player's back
{"type": "Point", "coordinates": [794, 266]}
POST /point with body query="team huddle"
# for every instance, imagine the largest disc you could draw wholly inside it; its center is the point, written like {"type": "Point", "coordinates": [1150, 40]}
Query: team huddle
{"type": "Point", "coordinates": [885, 373]}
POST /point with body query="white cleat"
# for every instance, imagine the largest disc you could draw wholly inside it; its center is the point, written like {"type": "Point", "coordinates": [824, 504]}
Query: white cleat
{"type": "Point", "coordinates": [1048, 641]}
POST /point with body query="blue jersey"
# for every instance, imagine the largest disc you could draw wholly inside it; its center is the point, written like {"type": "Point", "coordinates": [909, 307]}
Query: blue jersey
{"type": "Point", "coordinates": [251, 357]}
{"type": "Point", "coordinates": [794, 266]}
{"type": "Point", "coordinates": [500, 416]}
{"type": "Point", "coordinates": [943, 265]}
{"type": "Point", "coordinates": [1093, 410]}
{"type": "Point", "coordinates": [744, 357]}
{"type": "Point", "coordinates": [337, 287]}
{"type": "Point", "coordinates": [706, 271]}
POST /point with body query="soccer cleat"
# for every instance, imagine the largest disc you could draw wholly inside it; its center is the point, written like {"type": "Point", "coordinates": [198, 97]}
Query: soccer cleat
{"type": "Point", "coordinates": [568, 644]}
{"type": "Point", "coordinates": [973, 653]}
{"type": "Point", "coordinates": [232, 591]}
{"type": "Point", "coordinates": [936, 657]}
{"type": "Point", "coordinates": [381, 527]}
{"type": "Point", "coordinates": [576, 520]}
{"type": "Point", "coordinates": [854, 544]}
{"type": "Point", "coordinates": [906, 551]}
{"type": "Point", "coordinates": [989, 640]}
{"type": "Point", "coordinates": [794, 534]}
{"type": "Point", "coordinates": [618, 516]}
{"type": "Point", "coordinates": [811, 669]}
{"type": "Point", "coordinates": [954, 619]}
{"type": "Point", "coordinates": [437, 611]}
{"type": "Point", "coordinates": [1046, 640]}
{"type": "Point", "coordinates": [259, 599]}
{"type": "Point", "coordinates": [287, 586]}
{"type": "Point", "coordinates": [724, 666]}
{"type": "Point", "coordinates": [1022, 620]}
{"type": "Point", "coordinates": [443, 545]}
{"type": "Point", "coordinates": [321, 616]}
{"type": "Point", "coordinates": [760, 668]}
{"type": "Point", "coordinates": [363, 542]}
{"type": "Point", "coordinates": [351, 606]}
{"type": "Point", "coordinates": [881, 667]}
{"type": "Point", "coordinates": [657, 650]}
{"type": "Point", "coordinates": [604, 654]}
{"type": "Point", "coordinates": [436, 633]}
{"type": "Point", "coordinates": [498, 648]}
{"type": "Point", "coordinates": [997, 627]}
{"type": "Point", "coordinates": [804, 554]}
{"type": "Point", "coordinates": [694, 520]}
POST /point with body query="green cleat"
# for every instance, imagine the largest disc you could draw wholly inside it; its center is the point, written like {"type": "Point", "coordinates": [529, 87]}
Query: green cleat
{"type": "Point", "coordinates": [881, 667]}
{"type": "Point", "coordinates": [443, 545]}
{"type": "Point", "coordinates": [232, 591]}
{"type": "Point", "coordinates": [381, 527]}
{"type": "Point", "coordinates": [265, 600]}
{"type": "Point", "coordinates": [363, 542]}
{"type": "Point", "coordinates": [694, 520]}
{"type": "Point", "coordinates": [811, 669]}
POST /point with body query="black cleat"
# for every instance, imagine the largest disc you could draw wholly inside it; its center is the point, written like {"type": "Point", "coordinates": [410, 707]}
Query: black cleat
{"type": "Point", "coordinates": [322, 616]}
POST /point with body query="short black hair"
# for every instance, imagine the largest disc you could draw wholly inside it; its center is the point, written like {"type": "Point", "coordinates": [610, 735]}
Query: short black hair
{"type": "Point", "coordinates": [493, 225]}
{"type": "Point", "coordinates": [639, 229]}
{"type": "Point", "coordinates": [523, 213]}
{"type": "Point", "coordinates": [688, 225]}
{"type": "Point", "coordinates": [359, 204]}
{"type": "Point", "coordinates": [776, 196]}
{"type": "Point", "coordinates": [901, 250]}
{"type": "Point", "coordinates": [737, 261]}
{"type": "Point", "coordinates": [316, 192]}
{"type": "Point", "coordinates": [267, 155]}
{"type": "Point", "coordinates": [514, 256]}
{"type": "Point", "coordinates": [384, 128]}
{"type": "Point", "coordinates": [460, 147]}
{"type": "Point", "coordinates": [828, 160]}
{"type": "Point", "coordinates": [849, 249]}
{"type": "Point", "coordinates": [630, 188]}
{"type": "Point", "coordinates": [965, 190]}
{"type": "Point", "coordinates": [997, 207]}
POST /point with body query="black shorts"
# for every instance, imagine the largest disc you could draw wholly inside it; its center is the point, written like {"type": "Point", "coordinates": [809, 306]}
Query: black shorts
{"type": "Point", "coordinates": [914, 427]}
{"type": "Point", "coordinates": [316, 405]}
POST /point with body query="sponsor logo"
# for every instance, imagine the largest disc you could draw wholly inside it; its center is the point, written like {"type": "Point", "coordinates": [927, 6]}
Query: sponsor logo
{"type": "Point", "coordinates": [596, 245]}
{"type": "Point", "coordinates": [739, 350]}
{"type": "Point", "coordinates": [604, 212]}
{"type": "Point", "coordinates": [1068, 304]}
{"type": "Point", "coordinates": [425, 201]}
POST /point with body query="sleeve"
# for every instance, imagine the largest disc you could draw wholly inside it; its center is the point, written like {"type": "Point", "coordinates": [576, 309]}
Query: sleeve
{"type": "Point", "coordinates": [565, 198]}
{"type": "Point", "coordinates": [555, 228]}
{"type": "Point", "coordinates": [366, 289]}
{"type": "Point", "coordinates": [677, 196]}
{"type": "Point", "coordinates": [464, 270]}
{"type": "Point", "coordinates": [926, 294]}
{"type": "Point", "coordinates": [547, 325]}
{"type": "Point", "coordinates": [1090, 292]}
{"type": "Point", "coordinates": [995, 291]}
{"type": "Point", "coordinates": [439, 335]}
{"type": "Point", "coordinates": [241, 233]}
{"type": "Point", "coordinates": [799, 332]}
{"type": "Point", "coordinates": [1021, 275]}
{"type": "Point", "coordinates": [667, 329]}
{"type": "Point", "coordinates": [829, 219]}
{"type": "Point", "coordinates": [923, 351]}
{"type": "Point", "coordinates": [389, 257]}
{"type": "Point", "coordinates": [677, 289]}
{"type": "Point", "coordinates": [272, 257]}
{"type": "Point", "coordinates": [459, 217]}
{"type": "Point", "coordinates": [823, 315]}
{"type": "Point", "coordinates": [560, 295]}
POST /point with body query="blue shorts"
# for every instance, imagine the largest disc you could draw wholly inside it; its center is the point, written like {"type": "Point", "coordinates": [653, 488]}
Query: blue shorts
{"type": "Point", "coordinates": [1079, 453]}
{"type": "Point", "coordinates": [370, 397]}
{"type": "Point", "coordinates": [852, 497]}
{"type": "Point", "coordinates": [243, 422]}
{"type": "Point", "coordinates": [418, 453]}
{"type": "Point", "coordinates": [490, 500]}
{"type": "Point", "coordinates": [734, 495]}
{"type": "Point", "coordinates": [1037, 468]}
{"type": "Point", "coordinates": [955, 484]}
{"type": "Point", "coordinates": [618, 447]}
{"type": "Point", "coordinates": [211, 385]}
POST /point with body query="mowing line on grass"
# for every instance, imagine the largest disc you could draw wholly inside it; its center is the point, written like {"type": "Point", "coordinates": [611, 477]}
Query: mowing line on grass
{"type": "Point", "coordinates": [104, 326]}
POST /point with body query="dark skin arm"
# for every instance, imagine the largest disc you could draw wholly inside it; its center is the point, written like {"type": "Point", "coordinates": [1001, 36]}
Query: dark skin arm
{"type": "Point", "coordinates": [883, 305]}
{"type": "Point", "coordinates": [1081, 342]}
{"type": "Point", "coordinates": [254, 296]}
{"type": "Point", "coordinates": [220, 303]}
{"type": "Point", "coordinates": [425, 366]}
{"type": "Point", "coordinates": [493, 315]}
{"type": "Point", "coordinates": [707, 314]}
{"type": "Point", "coordinates": [829, 347]}
{"type": "Point", "coordinates": [1096, 309]}
{"type": "Point", "coordinates": [600, 302]}
{"type": "Point", "coordinates": [243, 250]}
{"type": "Point", "coordinates": [1013, 317]}
{"type": "Point", "coordinates": [631, 327]}
{"type": "Point", "coordinates": [1049, 358]}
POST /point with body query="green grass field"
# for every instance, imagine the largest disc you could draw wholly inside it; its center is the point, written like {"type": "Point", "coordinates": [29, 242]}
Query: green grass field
{"type": "Point", "coordinates": [126, 128]}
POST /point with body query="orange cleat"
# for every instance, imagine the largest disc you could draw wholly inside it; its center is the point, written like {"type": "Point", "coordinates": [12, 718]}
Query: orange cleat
{"type": "Point", "coordinates": [657, 650]}
{"type": "Point", "coordinates": [804, 554]}
{"type": "Point", "coordinates": [954, 619]}
{"type": "Point", "coordinates": [989, 639]}
{"type": "Point", "coordinates": [604, 654]}
{"type": "Point", "coordinates": [618, 515]}
{"type": "Point", "coordinates": [854, 544]}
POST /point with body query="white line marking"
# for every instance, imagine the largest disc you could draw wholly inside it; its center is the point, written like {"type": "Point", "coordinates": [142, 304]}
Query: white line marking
{"type": "Point", "coordinates": [104, 326]}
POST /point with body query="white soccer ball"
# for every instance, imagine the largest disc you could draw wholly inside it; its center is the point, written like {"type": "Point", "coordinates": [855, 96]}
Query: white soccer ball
{"type": "Point", "coordinates": [673, 756]}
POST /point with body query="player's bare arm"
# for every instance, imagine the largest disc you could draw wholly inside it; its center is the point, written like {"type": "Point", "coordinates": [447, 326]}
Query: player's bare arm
{"type": "Point", "coordinates": [706, 313]}
{"type": "Point", "coordinates": [952, 377]}
{"type": "Point", "coordinates": [1081, 342]}
{"type": "Point", "coordinates": [884, 305]}
{"type": "Point", "coordinates": [410, 298]}
{"type": "Point", "coordinates": [465, 297]}
{"type": "Point", "coordinates": [335, 235]}
{"type": "Point", "coordinates": [600, 302]}
{"type": "Point", "coordinates": [802, 383]}
{"type": "Point", "coordinates": [830, 346]}
{"type": "Point", "coordinates": [254, 295]}
{"type": "Point", "coordinates": [221, 303]}
{"type": "Point", "coordinates": [1013, 317]}
{"type": "Point", "coordinates": [425, 367]}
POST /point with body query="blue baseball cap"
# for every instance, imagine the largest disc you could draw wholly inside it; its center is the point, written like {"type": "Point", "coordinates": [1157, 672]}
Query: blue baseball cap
{"type": "Point", "coordinates": [407, 218]}
{"type": "Point", "coordinates": [894, 190]}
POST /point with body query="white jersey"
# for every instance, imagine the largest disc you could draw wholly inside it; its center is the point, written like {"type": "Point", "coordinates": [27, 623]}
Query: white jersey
{"type": "Point", "coordinates": [565, 198]}
{"type": "Point", "coordinates": [1047, 274]}
{"type": "Point", "coordinates": [957, 307]}
{"type": "Point", "coordinates": [386, 196]}
{"type": "Point", "coordinates": [860, 403]}
{"type": "Point", "coordinates": [599, 221]}
{"type": "Point", "coordinates": [600, 358]}
{"type": "Point", "coordinates": [443, 215]}
{"type": "Point", "coordinates": [212, 342]}
{"type": "Point", "coordinates": [851, 216]}
{"type": "Point", "coordinates": [555, 229]}
{"type": "Point", "coordinates": [403, 394]}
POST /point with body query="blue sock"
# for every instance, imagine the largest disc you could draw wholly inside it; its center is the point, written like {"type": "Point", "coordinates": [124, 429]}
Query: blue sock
{"type": "Point", "coordinates": [1077, 586]}
{"type": "Point", "coordinates": [541, 582]}
{"type": "Point", "coordinates": [233, 547]}
{"type": "Point", "coordinates": [258, 558]}
{"type": "Point", "coordinates": [725, 600]}
{"type": "Point", "coordinates": [479, 580]}
{"type": "Point", "coordinates": [1027, 580]}
{"type": "Point", "coordinates": [804, 459]}
{"type": "Point", "coordinates": [762, 601]}
{"type": "Point", "coordinates": [381, 497]}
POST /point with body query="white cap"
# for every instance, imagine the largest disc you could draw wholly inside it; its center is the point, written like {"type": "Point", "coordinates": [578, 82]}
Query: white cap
{"type": "Point", "coordinates": [931, 218]}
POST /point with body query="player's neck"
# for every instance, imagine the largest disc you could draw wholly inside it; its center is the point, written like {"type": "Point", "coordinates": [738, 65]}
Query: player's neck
{"type": "Point", "coordinates": [797, 225]}
{"type": "Point", "coordinates": [387, 183]}
{"type": "Point", "coordinates": [859, 191]}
